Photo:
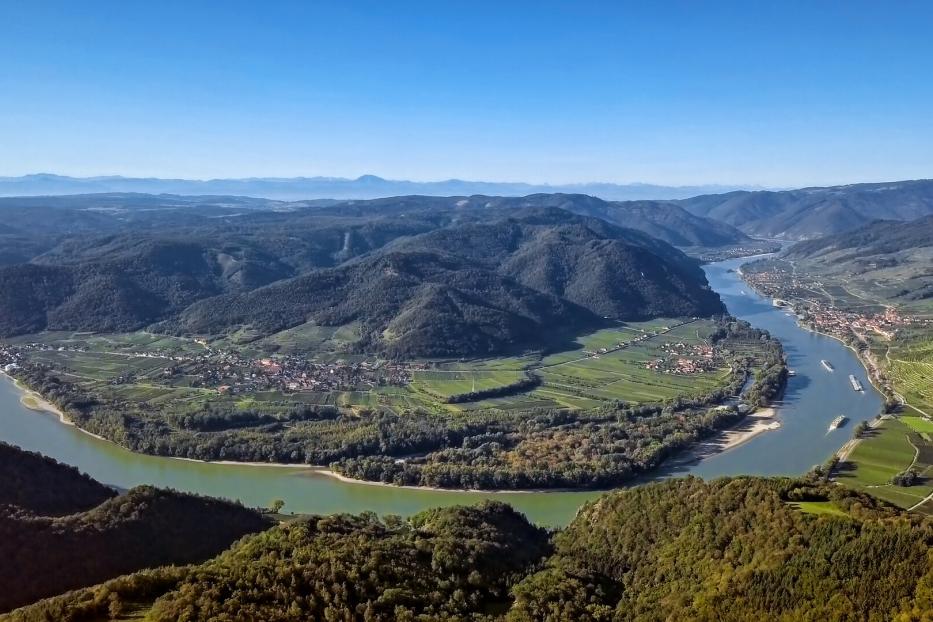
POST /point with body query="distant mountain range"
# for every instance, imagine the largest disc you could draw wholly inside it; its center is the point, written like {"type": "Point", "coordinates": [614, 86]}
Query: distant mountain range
{"type": "Point", "coordinates": [814, 212]}
{"type": "Point", "coordinates": [782, 214]}
{"type": "Point", "coordinates": [364, 187]}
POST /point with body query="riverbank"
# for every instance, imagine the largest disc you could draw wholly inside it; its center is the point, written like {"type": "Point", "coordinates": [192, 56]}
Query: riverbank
{"type": "Point", "coordinates": [846, 450]}
{"type": "Point", "coordinates": [751, 426]}
{"type": "Point", "coordinates": [483, 491]}
{"type": "Point", "coordinates": [748, 428]}
{"type": "Point", "coordinates": [872, 369]}
{"type": "Point", "coordinates": [35, 402]}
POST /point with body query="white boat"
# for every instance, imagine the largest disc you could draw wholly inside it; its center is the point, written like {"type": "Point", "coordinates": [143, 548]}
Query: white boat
{"type": "Point", "coordinates": [827, 365]}
{"type": "Point", "coordinates": [838, 421]}
{"type": "Point", "coordinates": [791, 372]}
{"type": "Point", "coordinates": [856, 385]}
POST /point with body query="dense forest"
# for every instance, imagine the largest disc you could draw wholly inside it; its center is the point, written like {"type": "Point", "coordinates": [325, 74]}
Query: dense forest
{"type": "Point", "coordinates": [734, 549]}
{"type": "Point", "coordinates": [52, 541]}
{"type": "Point", "coordinates": [478, 288]}
{"type": "Point", "coordinates": [423, 276]}
{"type": "Point", "coordinates": [484, 449]}
{"type": "Point", "coordinates": [728, 550]}
{"type": "Point", "coordinates": [44, 486]}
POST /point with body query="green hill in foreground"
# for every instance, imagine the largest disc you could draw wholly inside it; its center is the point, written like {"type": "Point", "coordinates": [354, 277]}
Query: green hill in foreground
{"type": "Point", "coordinates": [39, 484]}
{"type": "Point", "coordinates": [45, 555]}
{"type": "Point", "coordinates": [731, 549]}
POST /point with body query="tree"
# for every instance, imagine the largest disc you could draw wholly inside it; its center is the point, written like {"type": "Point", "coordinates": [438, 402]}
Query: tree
{"type": "Point", "coordinates": [905, 478]}
{"type": "Point", "coordinates": [276, 506]}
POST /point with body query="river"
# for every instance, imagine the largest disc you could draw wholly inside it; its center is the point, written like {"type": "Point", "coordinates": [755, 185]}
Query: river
{"type": "Point", "coordinates": [813, 398]}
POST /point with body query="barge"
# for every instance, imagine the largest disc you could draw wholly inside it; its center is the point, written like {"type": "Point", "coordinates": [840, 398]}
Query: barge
{"type": "Point", "coordinates": [856, 385]}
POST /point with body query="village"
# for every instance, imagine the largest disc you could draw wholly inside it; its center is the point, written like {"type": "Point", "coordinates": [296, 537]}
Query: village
{"type": "Point", "coordinates": [228, 372]}
{"type": "Point", "coordinates": [684, 359]}
{"type": "Point", "coordinates": [815, 308]}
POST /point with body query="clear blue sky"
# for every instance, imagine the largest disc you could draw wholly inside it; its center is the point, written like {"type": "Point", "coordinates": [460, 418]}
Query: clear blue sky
{"type": "Point", "coordinates": [770, 93]}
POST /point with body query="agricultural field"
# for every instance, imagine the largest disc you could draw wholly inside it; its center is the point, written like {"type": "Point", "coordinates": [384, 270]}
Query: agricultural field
{"type": "Point", "coordinates": [607, 365]}
{"type": "Point", "coordinates": [583, 377]}
{"type": "Point", "coordinates": [921, 425]}
{"type": "Point", "coordinates": [885, 451]}
{"type": "Point", "coordinates": [311, 338]}
{"type": "Point", "coordinates": [909, 365]}
{"type": "Point", "coordinates": [444, 383]}
{"type": "Point", "coordinates": [118, 343]}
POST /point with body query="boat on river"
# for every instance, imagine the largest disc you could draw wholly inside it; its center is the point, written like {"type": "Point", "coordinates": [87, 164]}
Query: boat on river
{"type": "Point", "coordinates": [827, 365]}
{"type": "Point", "coordinates": [856, 385]}
{"type": "Point", "coordinates": [837, 422]}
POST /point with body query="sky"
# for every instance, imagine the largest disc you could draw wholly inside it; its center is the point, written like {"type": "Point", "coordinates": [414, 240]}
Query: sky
{"type": "Point", "coordinates": [777, 94]}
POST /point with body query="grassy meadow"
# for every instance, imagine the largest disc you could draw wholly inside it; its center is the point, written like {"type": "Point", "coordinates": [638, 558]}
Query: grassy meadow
{"type": "Point", "coordinates": [885, 451]}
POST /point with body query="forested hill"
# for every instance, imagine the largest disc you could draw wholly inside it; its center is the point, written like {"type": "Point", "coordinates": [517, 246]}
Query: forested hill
{"type": "Point", "coordinates": [420, 281]}
{"type": "Point", "coordinates": [665, 220]}
{"type": "Point", "coordinates": [22, 238]}
{"type": "Point", "coordinates": [730, 550]}
{"type": "Point", "coordinates": [61, 530]}
{"type": "Point", "coordinates": [881, 237]}
{"type": "Point", "coordinates": [893, 256]}
{"type": "Point", "coordinates": [42, 485]}
{"type": "Point", "coordinates": [813, 212]}
{"type": "Point", "coordinates": [478, 288]}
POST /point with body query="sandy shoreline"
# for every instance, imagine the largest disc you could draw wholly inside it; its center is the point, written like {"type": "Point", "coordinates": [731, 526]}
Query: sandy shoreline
{"type": "Point", "coordinates": [482, 491]}
{"type": "Point", "coordinates": [35, 402]}
{"type": "Point", "coordinates": [758, 422]}
{"type": "Point", "coordinates": [751, 426]}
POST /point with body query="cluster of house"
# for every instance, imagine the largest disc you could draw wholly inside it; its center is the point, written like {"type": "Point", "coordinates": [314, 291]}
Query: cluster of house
{"type": "Point", "coordinates": [298, 374]}
{"type": "Point", "coordinates": [683, 358]}
{"type": "Point", "coordinates": [10, 359]}
{"type": "Point", "coordinates": [232, 372]}
{"type": "Point", "coordinates": [840, 323]}
{"type": "Point", "coordinates": [783, 286]}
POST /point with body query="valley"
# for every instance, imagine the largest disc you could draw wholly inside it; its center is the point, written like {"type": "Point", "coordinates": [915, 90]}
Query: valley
{"type": "Point", "coordinates": [619, 402]}
{"type": "Point", "coordinates": [466, 312]}
{"type": "Point", "coordinates": [795, 447]}
{"type": "Point", "coordinates": [869, 288]}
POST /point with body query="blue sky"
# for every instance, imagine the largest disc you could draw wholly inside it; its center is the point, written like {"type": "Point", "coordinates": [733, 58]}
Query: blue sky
{"type": "Point", "coordinates": [763, 93]}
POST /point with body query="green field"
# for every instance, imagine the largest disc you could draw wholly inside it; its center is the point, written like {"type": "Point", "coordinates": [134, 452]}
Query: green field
{"type": "Point", "coordinates": [910, 367]}
{"type": "Point", "coordinates": [311, 338]}
{"type": "Point", "coordinates": [887, 450]}
{"type": "Point", "coordinates": [580, 377]}
{"type": "Point", "coordinates": [444, 383]}
{"type": "Point", "coordinates": [918, 424]}
{"type": "Point", "coordinates": [819, 508]}
{"type": "Point", "coordinates": [132, 367]}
